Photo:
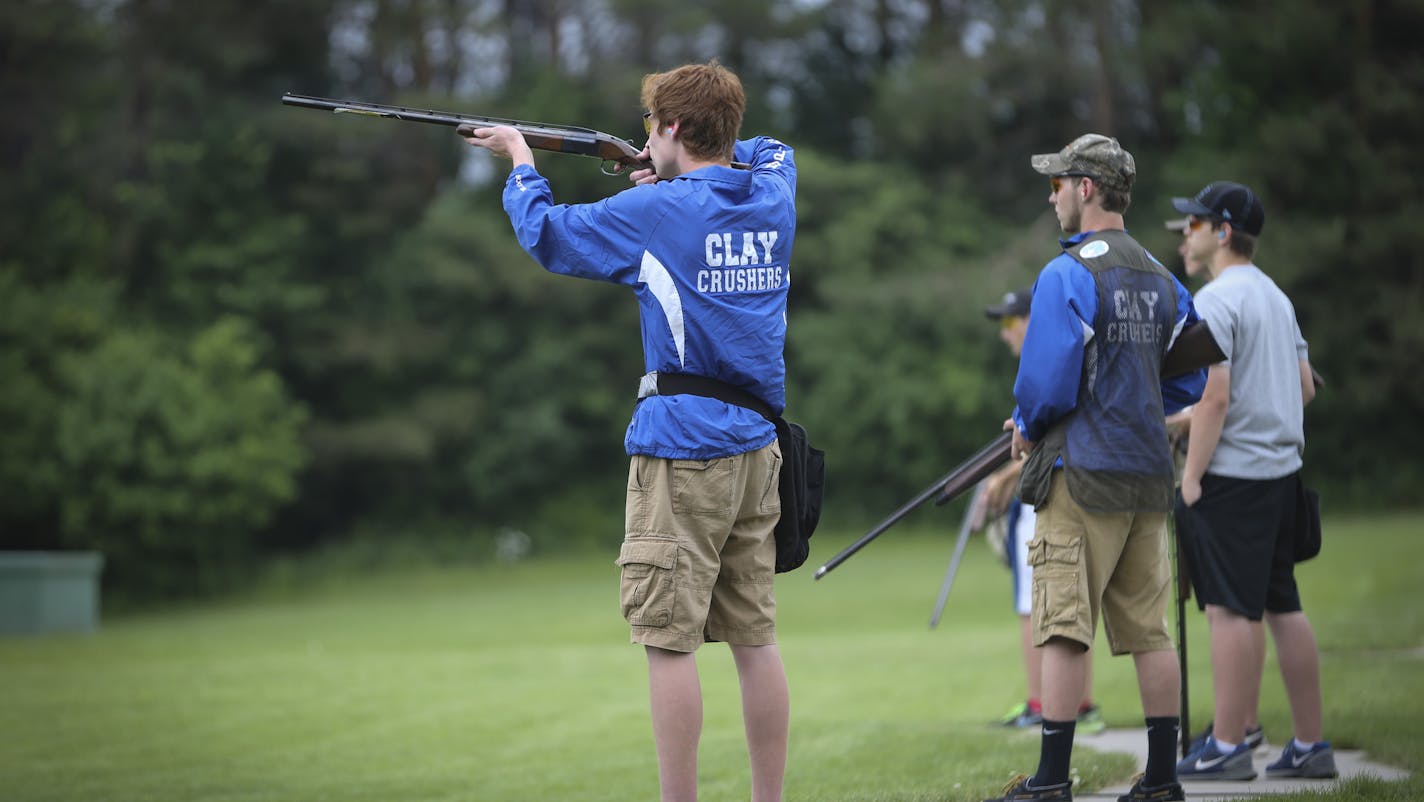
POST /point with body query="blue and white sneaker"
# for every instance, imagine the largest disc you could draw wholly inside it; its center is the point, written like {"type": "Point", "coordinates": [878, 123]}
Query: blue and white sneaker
{"type": "Point", "coordinates": [1318, 762]}
{"type": "Point", "coordinates": [1211, 763]}
{"type": "Point", "coordinates": [1255, 737]}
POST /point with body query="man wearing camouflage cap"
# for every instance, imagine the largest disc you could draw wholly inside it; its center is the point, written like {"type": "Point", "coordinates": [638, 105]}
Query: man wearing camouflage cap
{"type": "Point", "coordinates": [1090, 421]}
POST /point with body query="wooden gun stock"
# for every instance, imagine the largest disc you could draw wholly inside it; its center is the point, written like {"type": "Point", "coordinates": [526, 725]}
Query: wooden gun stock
{"type": "Point", "coordinates": [1194, 349]}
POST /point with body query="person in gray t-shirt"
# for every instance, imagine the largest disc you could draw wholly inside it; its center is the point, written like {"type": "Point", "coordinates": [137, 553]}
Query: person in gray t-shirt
{"type": "Point", "coordinates": [1263, 434]}
{"type": "Point", "coordinates": [1240, 489]}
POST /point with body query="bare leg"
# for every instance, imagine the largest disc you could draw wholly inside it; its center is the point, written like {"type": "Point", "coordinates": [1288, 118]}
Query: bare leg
{"type": "Point", "coordinates": [766, 714]}
{"type": "Point", "coordinates": [1159, 682]}
{"type": "Point", "coordinates": [1237, 660]}
{"type": "Point", "coordinates": [1253, 717]}
{"type": "Point", "coordinates": [1087, 681]}
{"type": "Point", "coordinates": [1032, 657]}
{"type": "Point", "coordinates": [1253, 713]}
{"type": "Point", "coordinates": [1299, 659]}
{"type": "Point", "coordinates": [1033, 665]}
{"type": "Point", "coordinates": [676, 696]}
{"type": "Point", "coordinates": [1065, 669]}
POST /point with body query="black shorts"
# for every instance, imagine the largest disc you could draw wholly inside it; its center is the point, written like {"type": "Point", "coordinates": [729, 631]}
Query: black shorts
{"type": "Point", "coordinates": [1239, 544]}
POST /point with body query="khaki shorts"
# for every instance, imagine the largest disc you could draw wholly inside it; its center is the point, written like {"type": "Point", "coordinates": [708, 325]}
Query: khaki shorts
{"type": "Point", "coordinates": [1085, 563]}
{"type": "Point", "coordinates": [698, 559]}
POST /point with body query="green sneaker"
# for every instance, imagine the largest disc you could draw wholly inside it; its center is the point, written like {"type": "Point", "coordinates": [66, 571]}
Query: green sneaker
{"type": "Point", "coordinates": [1090, 721]}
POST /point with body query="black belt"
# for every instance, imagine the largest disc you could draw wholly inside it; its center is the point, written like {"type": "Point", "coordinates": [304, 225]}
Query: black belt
{"type": "Point", "coordinates": [691, 384]}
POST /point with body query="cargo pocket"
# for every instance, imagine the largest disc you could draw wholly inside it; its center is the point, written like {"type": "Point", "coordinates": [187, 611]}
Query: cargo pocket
{"type": "Point", "coordinates": [1055, 581]}
{"type": "Point", "coordinates": [646, 590]}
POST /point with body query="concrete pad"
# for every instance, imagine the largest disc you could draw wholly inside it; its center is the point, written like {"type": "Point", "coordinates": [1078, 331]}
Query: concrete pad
{"type": "Point", "coordinates": [1350, 763]}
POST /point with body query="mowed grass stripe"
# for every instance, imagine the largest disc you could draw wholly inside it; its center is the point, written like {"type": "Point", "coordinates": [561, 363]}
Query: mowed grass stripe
{"type": "Point", "coordinates": [495, 682]}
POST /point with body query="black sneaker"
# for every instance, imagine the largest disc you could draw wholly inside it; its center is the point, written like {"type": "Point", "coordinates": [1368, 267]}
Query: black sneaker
{"type": "Point", "coordinates": [1167, 792]}
{"type": "Point", "coordinates": [1255, 738]}
{"type": "Point", "coordinates": [1019, 790]}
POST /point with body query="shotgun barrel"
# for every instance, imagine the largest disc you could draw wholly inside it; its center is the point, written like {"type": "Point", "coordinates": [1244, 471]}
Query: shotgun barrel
{"type": "Point", "coordinates": [540, 136]}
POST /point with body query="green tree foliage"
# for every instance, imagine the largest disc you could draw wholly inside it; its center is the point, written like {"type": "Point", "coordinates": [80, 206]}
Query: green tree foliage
{"type": "Point", "coordinates": [167, 454]}
{"type": "Point", "coordinates": [488, 395]}
{"type": "Point", "coordinates": [39, 331]}
{"type": "Point", "coordinates": [173, 455]}
{"type": "Point", "coordinates": [1331, 145]}
{"type": "Point", "coordinates": [183, 259]}
{"type": "Point", "coordinates": [54, 220]}
{"type": "Point", "coordinates": [138, 246]}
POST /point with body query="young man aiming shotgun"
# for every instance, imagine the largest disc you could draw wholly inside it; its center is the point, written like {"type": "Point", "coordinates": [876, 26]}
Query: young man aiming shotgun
{"type": "Point", "coordinates": [706, 250]}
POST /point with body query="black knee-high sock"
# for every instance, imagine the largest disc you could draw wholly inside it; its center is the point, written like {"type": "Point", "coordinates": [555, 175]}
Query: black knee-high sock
{"type": "Point", "coordinates": [1162, 736]}
{"type": "Point", "coordinates": [1055, 752]}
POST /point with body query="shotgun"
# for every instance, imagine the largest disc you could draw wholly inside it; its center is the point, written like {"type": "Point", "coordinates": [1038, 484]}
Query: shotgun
{"type": "Point", "coordinates": [540, 136]}
{"type": "Point", "coordinates": [1194, 349]}
{"type": "Point", "coordinates": [618, 155]}
{"type": "Point", "coordinates": [966, 474]}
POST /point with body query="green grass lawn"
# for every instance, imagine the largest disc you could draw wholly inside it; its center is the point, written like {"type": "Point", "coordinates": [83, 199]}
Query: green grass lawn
{"type": "Point", "coordinates": [517, 683]}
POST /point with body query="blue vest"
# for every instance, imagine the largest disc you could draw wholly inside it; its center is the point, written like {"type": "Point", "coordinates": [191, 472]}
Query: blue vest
{"type": "Point", "coordinates": [1113, 445]}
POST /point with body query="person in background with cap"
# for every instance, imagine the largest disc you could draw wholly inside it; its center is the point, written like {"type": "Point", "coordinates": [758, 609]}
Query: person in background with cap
{"type": "Point", "coordinates": [1194, 268]}
{"type": "Point", "coordinates": [998, 499]}
{"type": "Point", "coordinates": [1179, 423]}
{"type": "Point", "coordinates": [1240, 489]}
{"type": "Point", "coordinates": [1179, 428]}
{"type": "Point", "coordinates": [1091, 420]}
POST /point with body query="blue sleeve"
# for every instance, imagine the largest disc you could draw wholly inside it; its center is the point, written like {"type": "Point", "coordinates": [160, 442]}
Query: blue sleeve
{"type": "Point", "coordinates": [1065, 303]}
{"type": "Point", "coordinates": [768, 157]}
{"type": "Point", "coordinates": [1185, 389]}
{"type": "Point", "coordinates": [601, 240]}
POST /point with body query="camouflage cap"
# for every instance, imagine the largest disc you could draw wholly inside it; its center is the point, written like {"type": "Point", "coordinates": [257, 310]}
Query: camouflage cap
{"type": "Point", "coordinates": [1094, 155]}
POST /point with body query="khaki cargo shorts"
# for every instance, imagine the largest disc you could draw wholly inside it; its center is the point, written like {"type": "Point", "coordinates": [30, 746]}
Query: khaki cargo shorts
{"type": "Point", "coordinates": [698, 559]}
{"type": "Point", "coordinates": [1086, 563]}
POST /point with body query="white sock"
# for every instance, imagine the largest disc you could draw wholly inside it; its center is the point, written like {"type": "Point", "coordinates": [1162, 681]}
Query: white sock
{"type": "Point", "coordinates": [1225, 747]}
{"type": "Point", "coordinates": [1302, 747]}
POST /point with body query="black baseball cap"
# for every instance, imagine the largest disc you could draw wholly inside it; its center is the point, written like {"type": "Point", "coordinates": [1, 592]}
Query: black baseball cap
{"type": "Point", "coordinates": [1226, 200]}
{"type": "Point", "coordinates": [1015, 304]}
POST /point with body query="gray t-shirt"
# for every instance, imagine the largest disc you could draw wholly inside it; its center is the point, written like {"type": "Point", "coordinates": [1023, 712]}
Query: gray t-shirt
{"type": "Point", "coordinates": [1263, 436]}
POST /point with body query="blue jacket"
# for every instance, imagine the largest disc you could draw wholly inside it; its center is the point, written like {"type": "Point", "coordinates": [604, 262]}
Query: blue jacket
{"type": "Point", "coordinates": [1065, 311]}
{"type": "Point", "coordinates": [708, 256]}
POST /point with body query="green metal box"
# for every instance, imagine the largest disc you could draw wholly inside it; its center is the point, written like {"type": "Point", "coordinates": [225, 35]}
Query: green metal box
{"type": "Point", "coordinates": [44, 592]}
